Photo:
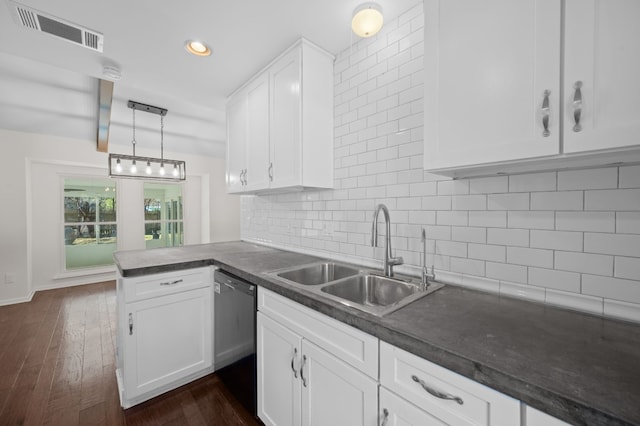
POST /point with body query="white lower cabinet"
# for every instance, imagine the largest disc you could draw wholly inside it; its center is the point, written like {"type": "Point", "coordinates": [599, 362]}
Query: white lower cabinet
{"type": "Point", "coordinates": [396, 411]}
{"type": "Point", "coordinates": [165, 332]}
{"type": "Point", "coordinates": [303, 383]}
{"type": "Point", "coordinates": [534, 417]}
{"type": "Point", "coordinates": [444, 397]}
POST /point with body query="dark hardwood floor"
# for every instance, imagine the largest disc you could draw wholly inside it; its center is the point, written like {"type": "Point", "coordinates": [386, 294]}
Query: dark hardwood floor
{"type": "Point", "coordinates": [57, 367]}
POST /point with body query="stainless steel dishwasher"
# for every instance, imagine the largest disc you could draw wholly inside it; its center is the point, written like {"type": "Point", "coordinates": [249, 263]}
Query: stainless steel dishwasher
{"type": "Point", "coordinates": [235, 336]}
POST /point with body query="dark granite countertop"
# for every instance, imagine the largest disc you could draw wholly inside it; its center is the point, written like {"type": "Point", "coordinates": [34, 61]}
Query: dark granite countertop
{"type": "Point", "coordinates": [581, 368]}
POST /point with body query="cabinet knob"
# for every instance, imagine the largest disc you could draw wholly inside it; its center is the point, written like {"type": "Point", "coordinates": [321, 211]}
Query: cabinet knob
{"type": "Point", "coordinates": [577, 106]}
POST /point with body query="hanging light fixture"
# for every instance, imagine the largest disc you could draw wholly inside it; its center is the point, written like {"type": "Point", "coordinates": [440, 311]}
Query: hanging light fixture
{"type": "Point", "coordinates": [367, 19]}
{"type": "Point", "coordinates": [154, 167]}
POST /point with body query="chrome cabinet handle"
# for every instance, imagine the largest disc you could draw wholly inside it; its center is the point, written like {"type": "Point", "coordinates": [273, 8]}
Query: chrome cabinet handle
{"type": "Point", "coordinates": [270, 172]}
{"type": "Point", "coordinates": [436, 393]}
{"type": "Point", "coordinates": [171, 282]}
{"type": "Point", "coordinates": [130, 324]}
{"type": "Point", "coordinates": [545, 114]}
{"type": "Point", "coordinates": [577, 106]}
{"type": "Point", "coordinates": [304, 361]}
{"type": "Point", "coordinates": [295, 355]}
{"type": "Point", "coordinates": [244, 176]}
{"type": "Point", "coordinates": [385, 417]}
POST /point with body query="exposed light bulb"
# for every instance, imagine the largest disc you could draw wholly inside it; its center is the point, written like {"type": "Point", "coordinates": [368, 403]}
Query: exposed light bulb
{"type": "Point", "coordinates": [134, 168]}
{"type": "Point", "coordinates": [161, 169]}
{"type": "Point", "coordinates": [175, 170]}
{"type": "Point", "coordinates": [148, 169]}
{"type": "Point", "coordinates": [118, 166]}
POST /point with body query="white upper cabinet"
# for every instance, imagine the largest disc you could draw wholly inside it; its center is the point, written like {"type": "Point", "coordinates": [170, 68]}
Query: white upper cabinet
{"type": "Point", "coordinates": [603, 54]}
{"type": "Point", "coordinates": [500, 86]}
{"type": "Point", "coordinates": [288, 134]}
{"type": "Point", "coordinates": [487, 67]}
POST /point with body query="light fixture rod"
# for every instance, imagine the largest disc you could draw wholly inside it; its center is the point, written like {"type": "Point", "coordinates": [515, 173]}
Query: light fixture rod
{"type": "Point", "coordinates": [147, 108]}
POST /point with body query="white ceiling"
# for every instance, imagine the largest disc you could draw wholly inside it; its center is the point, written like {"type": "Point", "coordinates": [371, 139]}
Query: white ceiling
{"type": "Point", "coordinates": [49, 85]}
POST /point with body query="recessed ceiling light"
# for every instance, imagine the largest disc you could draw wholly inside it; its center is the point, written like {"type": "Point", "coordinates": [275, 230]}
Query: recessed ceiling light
{"type": "Point", "coordinates": [197, 48]}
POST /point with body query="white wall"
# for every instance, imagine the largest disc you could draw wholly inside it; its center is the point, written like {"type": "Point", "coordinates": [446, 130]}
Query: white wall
{"type": "Point", "coordinates": [30, 225]}
{"type": "Point", "coordinates": [568, 238]}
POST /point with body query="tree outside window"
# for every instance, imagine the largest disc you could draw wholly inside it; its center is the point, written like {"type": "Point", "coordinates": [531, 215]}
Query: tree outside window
{"type": "Point", "coordinates": [163, 216]}
{"type": "Point", "coordinates": [90, 223]}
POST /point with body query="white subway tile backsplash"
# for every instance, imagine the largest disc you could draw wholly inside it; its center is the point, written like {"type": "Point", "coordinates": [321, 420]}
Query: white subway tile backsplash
{"type": "Point", "coordinates": [506, 272]}
{"type": "Point", "coordinates": [468, 234]}
{"type": "Point", "coordinates": [627, 267]}
{"type": "Point", "coordinates": [564, 200]}
{"type": "Point", "coordinates": [490, 219]}
{"type": "Point", "coordinates": [596, 264]}
{"type": "Point", "coordinates": [488, 252]}
{"type": "Point", "coordinates": [588, 179]}
{"type": "Point", "coordinates": [619, 244]}
{"type": "Point", "coordinates": [558, 280]}
{"type": "Point", "coordinates": [530, 257]}
{"type": "Point", "coordinates": [586, 221]}
{"type": "Point", "coordinates": [516, 201]}
{"type": "Point", "coordinates": [615, 199]}
{"type": "Point", "coordinates": [548, 236]}
{"type": "Point", "coordinates": [508, 237]}
{"type": "Point", "coordinates": [489, 185]}
{"type": "Point", "coordinates": [531, 220]}
{"type": "Point", "coordinates": [629, 177]}
{"type": "Point", "coordinates": [628, 222]}
{"type": "Point", "coordinates": [558, 240]}
{"type": "Point", "coordinates": [533, 182]}
{"type": "Point", "coordinates": [611, 288]}
{"type": "Point", "coordinates": [469, 202]}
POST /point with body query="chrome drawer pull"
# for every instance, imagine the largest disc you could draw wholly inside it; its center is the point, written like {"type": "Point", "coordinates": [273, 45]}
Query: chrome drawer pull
{"type": "Point", "coordinates": [577, 106]}
{"type": "Point", "coordinates": [171, 282]}
{"type": "Point", "coordinates": [295, 355]}
{"type": "Point", "coordinates": [545, 114]}
{"type": "Point", "coordinates": [436, 393]}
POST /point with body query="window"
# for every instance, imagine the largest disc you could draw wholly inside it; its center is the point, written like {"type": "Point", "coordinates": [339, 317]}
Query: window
{"type": "Point", "coordinates": [90, 227]}
{"type": "Point", "coordinates": [163, 223]}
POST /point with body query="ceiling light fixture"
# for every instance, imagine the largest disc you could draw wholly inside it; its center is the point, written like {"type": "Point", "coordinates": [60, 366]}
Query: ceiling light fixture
{"type": "Point", "coordinates": [367, 19]}
{"type": "Point", "coordinates": [197, 48]}
{"type": "Point", "coordinates": [116, 160]}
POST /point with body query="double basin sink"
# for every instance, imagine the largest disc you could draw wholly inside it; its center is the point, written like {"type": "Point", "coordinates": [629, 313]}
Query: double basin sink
{"type": "Point", "coordinates": [358, 288]}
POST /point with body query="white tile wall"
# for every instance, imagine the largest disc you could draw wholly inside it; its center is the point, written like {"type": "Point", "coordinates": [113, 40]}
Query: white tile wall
{"type": "Point", "coordinates": [568, 238]}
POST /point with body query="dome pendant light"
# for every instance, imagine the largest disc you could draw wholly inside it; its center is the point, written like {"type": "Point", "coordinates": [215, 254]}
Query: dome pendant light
{"type": "Point", "coordinates": [367, 19]}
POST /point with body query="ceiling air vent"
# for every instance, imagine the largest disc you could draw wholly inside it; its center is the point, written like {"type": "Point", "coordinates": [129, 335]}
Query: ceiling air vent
{"type": "Point", "coordinates": [40, 21]}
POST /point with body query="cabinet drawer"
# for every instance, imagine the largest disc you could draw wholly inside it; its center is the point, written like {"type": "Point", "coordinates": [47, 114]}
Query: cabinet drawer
{"type": "Point", "coordinates": [408, 375]}
{"type": "Point", "coordinates": [351, 345]}
{"type": "Point", "coordinates": [147, 286]}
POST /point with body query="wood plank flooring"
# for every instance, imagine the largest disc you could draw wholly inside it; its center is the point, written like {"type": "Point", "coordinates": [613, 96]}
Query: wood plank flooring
{"type": "Point", "coordinates": [57, 367]}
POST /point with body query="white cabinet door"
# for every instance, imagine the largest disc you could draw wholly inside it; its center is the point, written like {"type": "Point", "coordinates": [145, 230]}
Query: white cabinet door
{"type": "Point", "coordinates": [166, 339]}
{"type": "Point", "coordinates": [279, 385]}
{"type": "Point", "coordinates": [399, 412]}
{"type": "Point", "coordinates": [601, 52]}
{"type": "Point", "coordinates": [538, 418]}
{"type": "Point", "coordinates": [236, 141]}
{"type": "Point", "coordinates": [257, 155]}
{"type": "Point", "coordinates": [286, 144]}
{"type": "Point", "coordinates": [488, 66]}
{"type": "Point", "coordinates": [334, 393]}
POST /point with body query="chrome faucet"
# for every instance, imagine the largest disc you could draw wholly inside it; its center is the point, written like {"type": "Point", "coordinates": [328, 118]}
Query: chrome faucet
{"type": "Point", "coordinates": [426, 276]}
{"type": "Point", "coordinates": [389, 261]}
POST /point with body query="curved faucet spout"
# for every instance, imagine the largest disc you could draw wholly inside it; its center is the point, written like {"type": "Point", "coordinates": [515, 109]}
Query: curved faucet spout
{"type": "Point", "coordinates": [389, 261]}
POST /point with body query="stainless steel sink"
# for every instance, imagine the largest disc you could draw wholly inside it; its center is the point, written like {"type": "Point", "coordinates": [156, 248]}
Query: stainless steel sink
{"type": "Point", "coordinates": [319, 273]}
{"type": "Point", "coordinates": [371, 290]}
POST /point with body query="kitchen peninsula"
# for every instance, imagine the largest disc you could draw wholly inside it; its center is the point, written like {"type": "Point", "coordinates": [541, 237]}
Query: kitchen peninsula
{"type": "Point", "coordinates": [580, 368]}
